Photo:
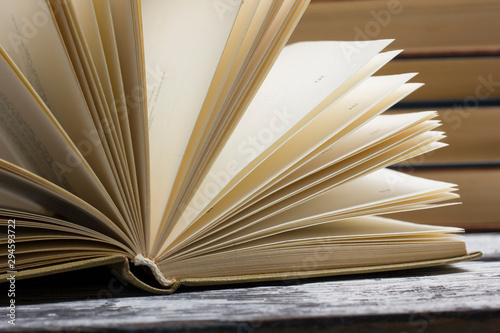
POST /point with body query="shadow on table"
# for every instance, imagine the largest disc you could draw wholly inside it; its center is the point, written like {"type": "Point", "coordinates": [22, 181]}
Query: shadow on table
{"type": "Point", "coordinates": [101, 283]}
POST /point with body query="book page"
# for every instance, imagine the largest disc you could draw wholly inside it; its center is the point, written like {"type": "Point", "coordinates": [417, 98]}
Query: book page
{"type": "Point", "coordinates": [357, 242]}
{"type": "Point", "coordinates": [46, 61]}
{"type": "Point", "coordinates": [356, 229]}
{"type": "Point", "coordinates": [84, 14]}
{"type": "Point", "coordinates": [30, 233]}
{"type": "Point", "coordinates": [379, 192]}
{"type": "Point", "coordinates": [18, 202]}
{"type": "Point", "coordinates": [31, 129]}
{"type": "Point", "coordinates": [183, 43]}
{"type": "Point", "coordinates": [340, 169]}
{"type": "Point", "coordinates": [31, 254]}
{"type": "Point", "coordinates": [107, 32]}
{"type": "Point", "coordinates": [35, 220]}
{"type": "Point", "coordinates": [126, 18]}
{"type": "Point", "coordinates": [331, 177]}
{"type": "Point", "coordinates": [52, 229]}
{"type": "Point", "coordinates": [377, 130]}
{"type": "Point", "coordinates": [366, 229]}
{"type": "Point", "coordinates": [338, 157]}
{"type": "Point", "coordinates": [302, 78]}
{"type": "Point", "coordinates": [31, 39]}
{"type": "Point", "coordinates": [208, 128]}
{"type": "Point", "coordinates": [55, 199]}
{"type": "Point", "coordinates": [371, 190]}
{"type": "Point", "coordinates": [9, 153]}
{"type": "Point", "coordinates": [220, 113]}
{"type": "Point", "coordinates": [84, 21]}
{"type": "Point", "coordinates": [288, 262]}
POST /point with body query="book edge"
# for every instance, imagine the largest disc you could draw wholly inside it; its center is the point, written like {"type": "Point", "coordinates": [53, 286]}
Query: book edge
{"type": "Point", "coordinates": [122, 266]}
{"type": "Point", "coordinates": [328, 272]}
{"type": "Point", "coordinates": [61, 268]}
{"type": "Point", "coordinates": [118, 263]}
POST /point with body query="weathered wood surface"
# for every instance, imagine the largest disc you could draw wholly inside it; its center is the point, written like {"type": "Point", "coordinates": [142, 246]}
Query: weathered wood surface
{"type": "Point", "coordinates": [463, 297]}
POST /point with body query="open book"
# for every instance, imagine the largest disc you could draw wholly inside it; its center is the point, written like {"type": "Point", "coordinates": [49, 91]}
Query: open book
{"type": "Point", "coordinates": [182, 136]}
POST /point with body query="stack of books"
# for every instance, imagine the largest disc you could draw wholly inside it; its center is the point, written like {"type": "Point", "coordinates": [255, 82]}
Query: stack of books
{"type": "Point", "coordinates": [454, 47]}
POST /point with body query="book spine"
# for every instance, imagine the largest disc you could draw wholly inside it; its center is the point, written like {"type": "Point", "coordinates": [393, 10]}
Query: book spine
{"type": "Point", "coordinates": [140, 260]}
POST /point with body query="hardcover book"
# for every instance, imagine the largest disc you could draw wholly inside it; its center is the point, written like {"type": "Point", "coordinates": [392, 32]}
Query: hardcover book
{"type": "Point", "coordinates": [184, 137]}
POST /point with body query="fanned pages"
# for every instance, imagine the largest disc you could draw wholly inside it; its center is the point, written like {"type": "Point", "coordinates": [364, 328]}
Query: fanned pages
{"type": "Point", "coordinates": [186, 138]}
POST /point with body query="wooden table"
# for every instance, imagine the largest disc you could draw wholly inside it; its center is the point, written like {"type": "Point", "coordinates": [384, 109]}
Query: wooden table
{"type": "Point", "coordinates": [463, 297]}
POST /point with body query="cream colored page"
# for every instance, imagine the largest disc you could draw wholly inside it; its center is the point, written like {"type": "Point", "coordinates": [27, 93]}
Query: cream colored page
{"type": "Point", "coordinates": [357, 107]}
{"type": "Point", "coordinates": [11, 200]}
{"type": "Point", "coordinates": [183, 42]}
{"type": "Point", "coordinates": [345, 155]}
{"type": "Point", "coordinates": [373, 132]}
{"type": "Point", "coordinates": [254, 178]}
{"type": "Point", "coordinates": [363, 229]}
{"type": "Point", "coordinates": [33, 260]}
{"type": "Point", "coordinates": [247, 48]}
{"type": "Point", "coordinates": [357, 229]}
{"type": "Point", "coordinates": [363, 163]}
{"type": "Point", "coordinates": [243, 82]}
{"type": "Point", "coordinates": [85, 14]}
{"type": "Point", "coordinates": [48, 151]}
{"type": "Point", "coordinates": [126, 20]}
{"type": "Point", "coordinates": [377, 187]}
{"type": "Point", "coordinates": [107, 32]}
{"type": "Point", "coordinates": [270, 204]}
{"type": "Point", "coordinates": [29, 220]}
{"type": "Point", "coordinates": [383, 188]}
{"type": "Point", "coordinates": [55, 199]}
{"type": "Point", "coordinates": [65, 246]}
{"type": "Point", "coordinates": [32, 40]}
{"type": "Point", "coordinates": [351, 109]}
{"type": "Point", "coordinates": [289, 262]}
{"type": "Point", "coordinates": [303, 76]}
{"type": "Point", "coordinates": [31, 234]}
{"type": "Point", "coordinates": [331, 121]}
{"type": "Point", "coordinates": [85, 19]}
{"type": "Point", "coordinates": [206, 128]}
{"type": "Point", "coordinates": [35, 231]}
{"type": "Point", "coordinates": [9, 153]}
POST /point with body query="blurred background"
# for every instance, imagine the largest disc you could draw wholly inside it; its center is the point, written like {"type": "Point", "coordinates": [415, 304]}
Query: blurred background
{"type": "Point", "coordinates": [454, 45]}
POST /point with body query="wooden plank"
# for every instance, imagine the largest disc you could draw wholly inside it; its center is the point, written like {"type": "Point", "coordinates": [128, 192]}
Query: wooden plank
{"type": "Point", "coordinates": [461, 296]}
{"type": "Point", "coordinates": [471, 132]}
{"type": "Point", "coordinates": [479, 189]}
{"type": "Point", "coordinates": [424, 27]}
{"type": "Point", "coordinates": [468, 81]}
